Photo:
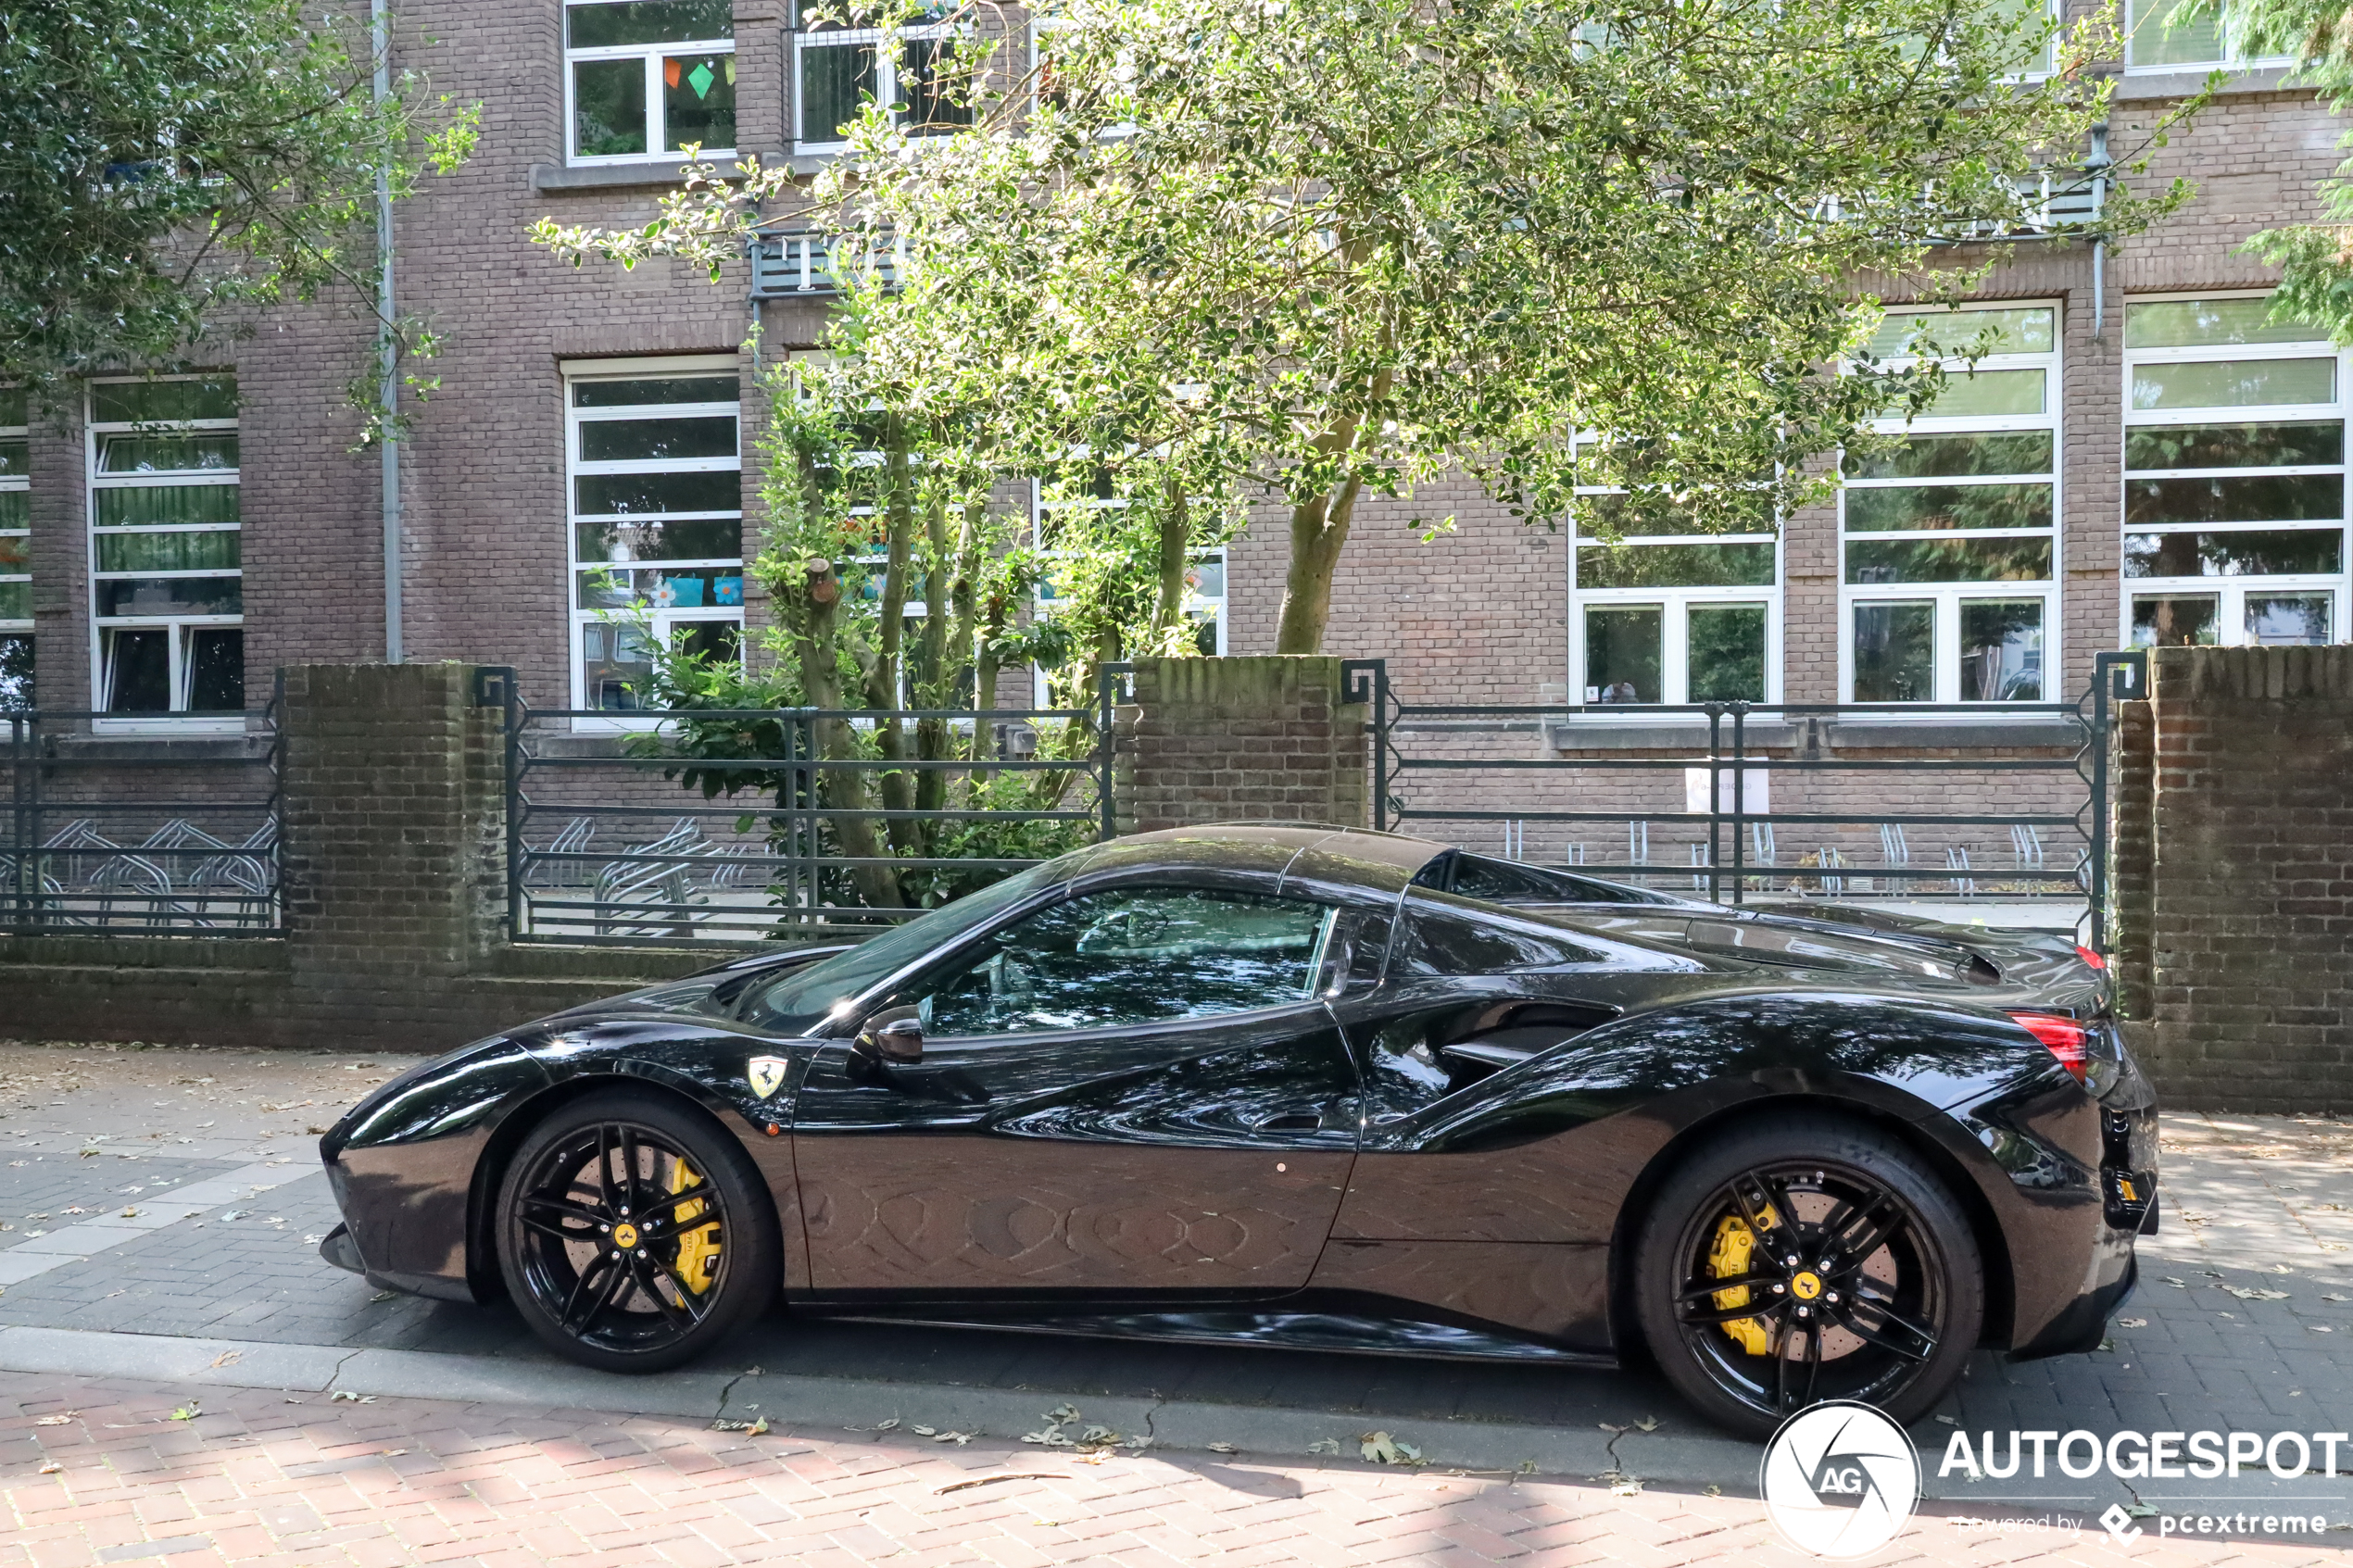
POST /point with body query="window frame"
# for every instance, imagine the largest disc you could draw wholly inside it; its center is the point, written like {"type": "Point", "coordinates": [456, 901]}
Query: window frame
{"type": "Point", "coordinates": [179, 629]}
{"type": "Point", "coordinates": [664, 622]}
{"type": "Point", "coordinates": [1948, 597]}
{"type": "Point", "coordinates": [18, 485]}
{"type": "Point", "coordinates": [657, 121]}
{"type": "Point", "coordinates": [2230, 593]}
{"type": "Point", "coordinates": [2228, 59]}
{"type": "Point", "coordinates": [887, 71]}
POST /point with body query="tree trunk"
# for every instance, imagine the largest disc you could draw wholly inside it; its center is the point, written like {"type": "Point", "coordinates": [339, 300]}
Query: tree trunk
{"type": "Point", "coordinates": [882, 671]}
{"type": "Point", "coordinates": [1318, 530]}
{"type": "Point", "coordinates": [1176, 539]}
{"type": "Point", "coordinates": [841, 788]}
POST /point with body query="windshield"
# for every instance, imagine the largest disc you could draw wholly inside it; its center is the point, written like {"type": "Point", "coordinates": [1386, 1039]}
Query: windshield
{"type": "Point", "coordinates": [794, 1002]}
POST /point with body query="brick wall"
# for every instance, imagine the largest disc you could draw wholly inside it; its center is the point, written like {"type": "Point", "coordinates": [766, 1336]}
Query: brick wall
{"type": "Point", "coordinates": [1264, 739]}
{"type": "Point", "coordinates": [2234, 876]}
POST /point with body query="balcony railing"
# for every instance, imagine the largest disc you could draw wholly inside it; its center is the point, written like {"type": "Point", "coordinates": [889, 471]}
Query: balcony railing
{"type": "Point", "coordinates": [805, 264]}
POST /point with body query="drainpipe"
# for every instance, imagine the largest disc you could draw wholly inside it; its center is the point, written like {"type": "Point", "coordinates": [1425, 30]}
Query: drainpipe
{"type": "Point", "coordinates": [387, 344]}
{"type": "Point", "coordinates": [2098, 162]}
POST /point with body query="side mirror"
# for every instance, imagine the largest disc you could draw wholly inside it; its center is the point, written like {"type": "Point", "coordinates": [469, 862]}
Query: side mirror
{"type": "Point", "coordinates": [899, 1041]}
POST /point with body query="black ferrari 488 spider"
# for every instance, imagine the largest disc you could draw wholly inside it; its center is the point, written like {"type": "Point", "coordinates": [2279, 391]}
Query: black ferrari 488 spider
{"type": "Point", "coordinates": [1302, 1086]}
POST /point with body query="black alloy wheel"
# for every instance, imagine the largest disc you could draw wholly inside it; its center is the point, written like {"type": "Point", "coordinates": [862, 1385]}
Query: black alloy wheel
{"type": "Point", "coordinates": [635, 1232]}
{"type": "Point", "coordinates": [1806, 1260]}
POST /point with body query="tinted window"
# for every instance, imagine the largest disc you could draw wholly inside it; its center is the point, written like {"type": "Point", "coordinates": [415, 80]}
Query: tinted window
{"type": "Point", "coordinates": [1507, 882]}
{"type": "Point", "coordinates": [1140, 955]}
{"type": "Point", "coordinates": [1441, 941]}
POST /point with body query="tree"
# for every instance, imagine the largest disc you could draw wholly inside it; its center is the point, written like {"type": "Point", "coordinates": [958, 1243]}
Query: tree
{"type": "Point", "coordinates": [2315, 260]}
{"type": "Point", "coordinates": [165, 164]}
{"type": "Point", "coordinates": [1344, 249]}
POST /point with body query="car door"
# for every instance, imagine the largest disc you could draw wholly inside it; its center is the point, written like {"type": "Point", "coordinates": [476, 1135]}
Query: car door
{"type": "Point", "coordinates": [1136, 1090]}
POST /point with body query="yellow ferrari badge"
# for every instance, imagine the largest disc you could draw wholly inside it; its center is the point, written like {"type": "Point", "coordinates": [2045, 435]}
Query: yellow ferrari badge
{"type": "Point", "coordinates": [767, 1075]}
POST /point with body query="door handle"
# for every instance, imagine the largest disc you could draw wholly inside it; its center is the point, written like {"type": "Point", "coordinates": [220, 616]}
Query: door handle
{"type": "Point", "coordinates": [1290, 1118]}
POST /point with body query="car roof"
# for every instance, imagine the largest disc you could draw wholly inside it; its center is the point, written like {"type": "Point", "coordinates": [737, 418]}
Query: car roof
{"type": "Point", "coordinates": [1312, 852]}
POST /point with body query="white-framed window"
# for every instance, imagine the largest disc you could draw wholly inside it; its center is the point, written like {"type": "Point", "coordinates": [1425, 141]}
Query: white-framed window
{"type": "Point", "coordinates": [1205, 601]}
{"type": "Point", "coordinates": [2197, 38]}
{"type": "Point", "coordinates": [644, 78]}
{"type": "Point", "coordinates": [837, 69]}
{"type": "Point", "coordinates": [167, 581]}
{"type": "Point", "coordinates": [1674, 617]}
{"type": "Point", "coordinates": [1948, 544]}
{"type": "Point", "coordinates": [15, 551]}
{"type": "Point", "coordinates": [2233, 476]}
{"type": "Point", "coordinates": [655, 486]}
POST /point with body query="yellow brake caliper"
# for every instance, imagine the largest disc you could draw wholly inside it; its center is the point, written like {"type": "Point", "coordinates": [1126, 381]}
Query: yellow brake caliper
{"type": "Point", "coordinates": [698, 1248]}
{"type": "Point", "coordinates": [1727, 1260]}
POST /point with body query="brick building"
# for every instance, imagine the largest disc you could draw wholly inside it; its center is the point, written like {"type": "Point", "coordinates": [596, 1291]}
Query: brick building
{"type": "Point", "coordinates": [2147, 463]}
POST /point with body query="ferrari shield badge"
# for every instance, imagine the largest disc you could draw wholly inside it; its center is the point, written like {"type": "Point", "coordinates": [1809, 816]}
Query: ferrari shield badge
{"type": "Point", "coordinates": [767, 1075]}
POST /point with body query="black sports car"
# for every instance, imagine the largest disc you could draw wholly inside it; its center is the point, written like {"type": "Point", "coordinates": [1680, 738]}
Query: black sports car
{"type": "Point", "coordinates": [1298, 1084]}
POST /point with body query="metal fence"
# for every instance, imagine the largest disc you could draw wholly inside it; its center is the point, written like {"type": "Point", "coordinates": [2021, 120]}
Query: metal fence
{"type": "Point", "coordinates": [140, 835]}
{"type": "Point", "coordinates": [612, 839]}
{"type": "Point", "coordinates": [1998, 807]}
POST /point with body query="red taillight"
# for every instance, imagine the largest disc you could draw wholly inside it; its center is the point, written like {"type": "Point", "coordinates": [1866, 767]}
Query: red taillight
{"type": "Point", "coordinates": [2067, 1040]}
{"type": "Point", "coordinates": [2089, 957]}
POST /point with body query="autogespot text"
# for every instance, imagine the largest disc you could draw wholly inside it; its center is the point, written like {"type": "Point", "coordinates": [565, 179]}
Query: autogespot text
{"type": "Point", "coordinates": [2158, 1456]}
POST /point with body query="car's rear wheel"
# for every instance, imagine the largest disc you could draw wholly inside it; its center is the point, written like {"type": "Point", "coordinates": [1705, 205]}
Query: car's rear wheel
{"type": "Point", "coordinates": [635, 1233]}
{"type": "Point", "coordinates": [1806, 1258]}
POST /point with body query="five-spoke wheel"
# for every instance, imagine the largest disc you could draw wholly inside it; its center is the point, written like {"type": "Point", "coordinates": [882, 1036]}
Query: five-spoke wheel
{"type": "Point", "coordinates": [634, 1232]}
{"type": "Point", "coordinates": [1806, 1260]}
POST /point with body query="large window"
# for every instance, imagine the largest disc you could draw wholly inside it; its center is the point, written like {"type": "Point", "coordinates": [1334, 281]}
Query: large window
{"type": "Point", "coordinates": [1675, 617]}
{"type": "Point", "coordinates": [837, 69]}
{"type": "Point", "coordinates": [1948, 541]}
{"type": "Point", "coordinates": [657, 520]}
{"type": "Point", "coordinates": [2181, 35]}
{"type": "Point", "coordinates": [646, 78]}
{"type": "Point", "coordinates": [16, 553]}
{"type": "Point", "coordinates": [2234, 476]}
{"type": "Point", "coordinates": [167, 583]}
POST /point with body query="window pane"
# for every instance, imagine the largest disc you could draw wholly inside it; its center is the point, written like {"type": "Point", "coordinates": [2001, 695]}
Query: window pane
{"type": "Point", "coordinates": [16, 553]}
{"type": "Point", "coordinates": [1622, 653]}
{"type": "Point", "coordinates": [138, 675]}
{"type": "Point", "coordinates": [168, 552]}
{"type": "Point", "coordinates": [1674, 566]}
{"type": "Point", "coordinates": [1128, 957]}
{"type": "Point", "coordinates": [2290, 618]}
{"type": "Point", "coordinates": [16, 457]}
{"type": "Point", "coordinates": [834, 81]}
{"type": "Point", "coordinates": [16, 671]}
{"type": "Point", "coordinates": [2016, 332]}
{"type": "Point", "coordinates": [637, 494]}
{"type": "Point", "coordinates": [619, 664]}
{"type": "Point", "coordinates": [145, 505]}
{"type": "Point", "coordinates": [1949, 506]}
{"type": "Point", "coordinates": [1895, 653]}
{"type": "Point", "coordinates": [2234, 446]}
{"type": "Point", "coordinates": [2191, 324]}
{"type": "Point", "coordinates": [710, 539]}
{"type": "Point", "coordinates": [698, 101]}
{"type": "Point", "coordinates": [716, 642]}
{"type": "Point", "coordinates": [1725, 648]}
{"type": "Point", "coordinates": [620, 441]}
{"type": "Point", "coordinates": [16, 508]}
{"type": "Point", "coordinates": [1948, 560]}
{"type": "Point", "coordinates": [609, 107]}
{"type": "Point", "coordinates": [2233, 384]}
{"type": "Point", "coordinates": [2159, 37]}
{"type": "Point", "coordinates": [16, 601]}
{"type": "Point", "coordinates": [1625, 515]}
{"type": "Point", "coordinates": [13, 405]}
{"type": "Point", "coordinates": [1957, 457]}
{"type": "Point", "coordinates": [665, 389]}
{"type": "Point", "coordinates": [209, 398]}
{"type": "Point", "coordinates": [2176, 620]}
{"type": "Point", "coordinates": [171, 595]}
{"type": "Point", "coordinates": [650, 21]}
{"type": "Point", "coordinates": [1986, 392]}
{"type": "Point", "coordinates": [606, 588]}
{"type": "Point", "coordinates": [933, 94]}
{"type": "Point", "coordinates": [215, 669]}
{"type": "Point", "coordinates": [2001, 650]}
{"type": "Point", "coordinates": [2251, 553]}
{"type": "Point", "coordinates": [213, 450]}
{"type": "Point", "coordinates": [2258, 498]}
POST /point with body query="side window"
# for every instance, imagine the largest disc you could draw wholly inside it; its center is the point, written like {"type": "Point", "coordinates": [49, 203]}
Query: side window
{"type": "Point", "coordinates": [1509, 882]}
{"type": "Point", "coordinates": [1135, 955]}
{"type": "Point", "coordinates": [1441, 941]}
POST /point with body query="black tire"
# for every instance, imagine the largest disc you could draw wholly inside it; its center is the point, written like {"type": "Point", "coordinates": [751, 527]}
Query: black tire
{"type": "Point", "coordinates": [1893, 1294]}
{"type": "Point", "coordinates": [636, 1308]}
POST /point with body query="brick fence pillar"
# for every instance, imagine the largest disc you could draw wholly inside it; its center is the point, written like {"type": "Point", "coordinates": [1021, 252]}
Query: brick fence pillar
{"type": "Point", "coordinates": [1260, 739]}
{"type": "Point", "coordinates": [2130, 850]}
{"type": "Point", "coordinates": [394, 833]}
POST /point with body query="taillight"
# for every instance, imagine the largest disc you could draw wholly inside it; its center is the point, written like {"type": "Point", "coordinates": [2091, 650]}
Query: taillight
{"type": "Point", "coordinates": [2090, 958]}
{"type": "Point", "coordinates": [2067, 1040]}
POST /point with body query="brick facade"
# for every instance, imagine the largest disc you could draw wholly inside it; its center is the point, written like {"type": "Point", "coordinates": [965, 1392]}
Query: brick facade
{"type": "Point", "coordinates": [1241, 739]}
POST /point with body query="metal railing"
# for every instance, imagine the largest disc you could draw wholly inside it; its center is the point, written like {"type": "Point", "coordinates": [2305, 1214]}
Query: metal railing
{"type": "Point", "coordinates": [611, 837]}
{"type": "Point", "coordinates": [140, 835]}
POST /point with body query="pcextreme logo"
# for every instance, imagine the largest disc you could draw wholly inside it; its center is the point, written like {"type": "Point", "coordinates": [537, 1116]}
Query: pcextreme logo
{"type": "Point", "coordinates": [1839, 1480]}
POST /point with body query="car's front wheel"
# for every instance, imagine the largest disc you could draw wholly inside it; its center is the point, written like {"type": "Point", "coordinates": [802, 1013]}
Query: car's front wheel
{"type": "Point", "coordinates": [635, 1233]}
{"type": "Point", "coordinates": [1806, 1258]}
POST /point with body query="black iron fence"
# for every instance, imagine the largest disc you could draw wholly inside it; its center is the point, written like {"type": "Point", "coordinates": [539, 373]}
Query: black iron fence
{"type": "Point", "coordinates": [750, 824]}
{"type": "Point", "coordinates": [138, 835]}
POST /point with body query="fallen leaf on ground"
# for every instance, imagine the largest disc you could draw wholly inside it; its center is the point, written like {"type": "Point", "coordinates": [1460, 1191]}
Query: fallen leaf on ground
{"type": "Point", "coordinates": [1648, 1423]}
{"type": "Point", "coordinates": [1219, 1447]}
{"type": "Point", "coordinates": [2132, 1322]}
{"type": "Point", "coordinates": [1380, 1445]}
{"type": "Point", "coordinates": [1325, 1445]}
{"type": "Point", "coordinates": [52, 1468]}
{"type": "Point", "coordinates": [1711, 1491]}
{"type": "Point", "coordinates": [959, 1438]}
{"type": "Point", "coordinates": [992, 1480]}
{"type": "Point", "coordinates": [228, 1358]}
{"type": "Point", "coordinates": [188, 1412]}
{"type": "Point", "coordinates": [350, 1397]}
{"type": "Point", "coordinates": [64, 1419]}
{"type": "Point", "coordinates": [2255, 1293]}
{"type": "Point", "coordinates": [754, 1427]}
